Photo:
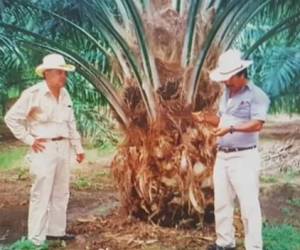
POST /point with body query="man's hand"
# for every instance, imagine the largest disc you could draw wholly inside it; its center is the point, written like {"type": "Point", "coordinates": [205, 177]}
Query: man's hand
{"type": "Point", "coordinates": [209, 118]}
{"type": "Point", "coordinates": [198, 116]}
{"type": "Point", "coordinates": [80, 157]}
{"type": "Point", "coordinates": [221, 131]}
{"type": "Point", "coordinates": [38, 145]}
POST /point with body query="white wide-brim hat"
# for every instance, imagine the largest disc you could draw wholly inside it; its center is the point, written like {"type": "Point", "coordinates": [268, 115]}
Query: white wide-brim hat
{"type": "Point", "coordinates": [53, 61]}
{"type": "Point", "coordinates": [229, 64]}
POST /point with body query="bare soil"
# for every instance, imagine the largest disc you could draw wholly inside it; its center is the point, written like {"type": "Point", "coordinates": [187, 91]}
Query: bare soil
{"type": "Point", "coordinates": [96, 218]}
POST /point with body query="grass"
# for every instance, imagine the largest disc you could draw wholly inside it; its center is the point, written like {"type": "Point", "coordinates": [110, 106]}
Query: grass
{"type": "Point", "coordinates": [291, 176]}
{"type": "Point", "coordinates": [294, 202]}
{"type": "Point", "coordinates": [94, 179]}
{"type": "Point", "coordinates": [82, 183]}
{"type": "Point", "coordinates": [12, 157]}
{"type": "Point", "coordinates": [281, 237]}
{"type": "Point", "coordinates": [24, 244]}
{"type": "Point", "coordinates": [268, 179]}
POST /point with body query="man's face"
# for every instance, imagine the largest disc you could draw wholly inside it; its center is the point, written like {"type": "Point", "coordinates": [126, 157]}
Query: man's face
{"type": "Point", "coordinates": [235, 82]}
{"type": "Point", "coordinates": [56, 78]}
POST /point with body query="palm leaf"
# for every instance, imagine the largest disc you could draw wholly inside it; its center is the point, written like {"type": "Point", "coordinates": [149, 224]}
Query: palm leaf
{"type": "Point", "coordinates": [191, 89]}
{"type": "Point", "coordinates": [148, 59]}
{"type": "Point", "coordinates": [282, 71]}
{"type": "Point", "coordinates": [189, 38]}
{"type": "Point", "coordinates": [285, 24]}
{"type": "Point", "coordinates": [179, 6]}
{"type": "Point", "coordinates": [146, 91]}
{"type": "Point", "coordinates": [245, 19]}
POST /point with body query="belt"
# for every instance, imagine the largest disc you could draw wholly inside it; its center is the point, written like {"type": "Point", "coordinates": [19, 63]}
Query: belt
{"type": "Point", "coordinates": [59, 138]}
{"type": "Point", "coordinates": [229, 149]}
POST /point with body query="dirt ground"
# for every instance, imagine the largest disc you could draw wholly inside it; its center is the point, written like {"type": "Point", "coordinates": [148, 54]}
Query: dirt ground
{"type": "Point", "coordinates": [94, 213]}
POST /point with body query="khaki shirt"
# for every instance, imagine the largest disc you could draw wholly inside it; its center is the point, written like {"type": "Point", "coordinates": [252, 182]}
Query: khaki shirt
{"type": "Point", "coordinates": [37, 114]}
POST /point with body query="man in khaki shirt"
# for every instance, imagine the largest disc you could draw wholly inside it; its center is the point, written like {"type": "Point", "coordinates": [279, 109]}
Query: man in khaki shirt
{"type": "Point", "coordinates": [43, 118]}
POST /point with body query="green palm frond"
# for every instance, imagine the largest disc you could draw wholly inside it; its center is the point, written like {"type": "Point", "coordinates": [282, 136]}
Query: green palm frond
{"type": "Point", "coordinates": [147, 56]}
{"type": "Point", "coordinates": [146, 91]}
{"type": "Point", "coordinates": [189, 38]}
{"type": "Point", "coordinates": [193, 85]}
{"type": "Point", "coordinates": [179, 6]}
{"type": "Point", "coordinates": [245, 15]}
{"type": "Point", "coordinates": [281, 74]}
{"type": "Point", "coordinates": [65, 20]}
{"type": "Point", "coordinates": [285, 24]}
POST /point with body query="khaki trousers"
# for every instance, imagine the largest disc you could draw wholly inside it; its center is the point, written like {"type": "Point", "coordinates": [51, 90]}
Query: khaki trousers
{"type": "Point", "coordinates": [237, 174]}
{"type": "Point", "coordinates": [50, 191]}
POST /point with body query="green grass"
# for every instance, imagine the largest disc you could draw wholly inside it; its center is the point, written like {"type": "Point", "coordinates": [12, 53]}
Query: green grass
{"type": "Point", "coordinates": [96, 180]}
{"type": "Point", "coordinates": [294, 202]}
{"type": "Point", "coordinates": [268, 179]}
{"type": "Point", "coordinates": [12, 157]}
{"type": "Point", "coordinates": [24, 244]}
{"type": "Point", "coordinates": [82, 183]}
{"type": "Point", "coordinates": [281, 237]}
{"type": "Point", "coordinates": [290, 176]}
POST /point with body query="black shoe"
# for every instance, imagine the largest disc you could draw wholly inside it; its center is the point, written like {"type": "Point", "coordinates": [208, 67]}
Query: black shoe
{"type": "Point", "coordinates": [64, 237]}
{"type": "Point", "coordinates": [216, 247]}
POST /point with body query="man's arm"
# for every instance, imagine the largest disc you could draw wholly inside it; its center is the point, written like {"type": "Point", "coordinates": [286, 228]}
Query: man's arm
{"type": "Point", "coordinates": [15, 119]}
{"type": "Point", "coordinates": [246, 127]}
{"type": "Point", "coordinates": [75, 138]}
{"type": "Point", "coordinates": [210, 118]}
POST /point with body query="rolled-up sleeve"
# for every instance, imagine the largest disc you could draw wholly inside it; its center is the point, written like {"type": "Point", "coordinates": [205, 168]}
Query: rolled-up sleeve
{"type": "Point", "coordinates": [75, 138]}
{"type": "Point", "coordinates": [15, 118]}
{"type": "Point", "coordinates": [74, 135]}
{"type": "Point", "coordinates": [259, 106]}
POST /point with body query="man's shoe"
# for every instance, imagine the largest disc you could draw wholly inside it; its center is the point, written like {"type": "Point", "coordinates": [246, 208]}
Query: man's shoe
{"type": "Point", "coordinates": [216, 247]}
{"type": "Point", "coordinates": [66, 237]}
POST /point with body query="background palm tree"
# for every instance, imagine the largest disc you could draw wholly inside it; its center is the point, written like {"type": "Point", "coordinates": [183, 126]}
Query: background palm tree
{"type": "Point", "coordinates": [150, 60]}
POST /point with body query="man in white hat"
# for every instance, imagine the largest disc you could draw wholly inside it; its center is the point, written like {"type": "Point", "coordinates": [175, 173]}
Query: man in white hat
{"type": "Point", "coordinates": [43, 118]}
{"type": "Point", "coordinates": [242, 112]}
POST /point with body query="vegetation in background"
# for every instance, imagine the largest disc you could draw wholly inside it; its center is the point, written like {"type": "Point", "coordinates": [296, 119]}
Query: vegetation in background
{"type": "Point", "coordinates": [277, 59]}
{"type": "Point", "coordinates": [294, 202]}
{"type": "Point", "coordinates": [25, 244]}
{"type": "Point", "coordinates": [281, 237]}
{"type": "Point", "coordinates": [12, 157]}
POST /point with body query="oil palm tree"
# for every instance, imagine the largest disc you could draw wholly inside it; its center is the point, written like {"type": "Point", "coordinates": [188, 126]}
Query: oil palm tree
{"type": "Point", "coordinates": [157, 56]}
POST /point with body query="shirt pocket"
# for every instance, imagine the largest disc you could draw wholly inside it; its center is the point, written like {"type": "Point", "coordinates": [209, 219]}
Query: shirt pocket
{"type": "Point", "coordinates": [243, 109]}
{"type": "Point", "coordinates": [38, 114]}
{"type": "Point", "coordinates": [66, 113]}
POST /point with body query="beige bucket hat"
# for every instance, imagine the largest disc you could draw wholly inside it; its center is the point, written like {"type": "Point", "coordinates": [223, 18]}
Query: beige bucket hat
{"type": "Point", "coordinates": [53, 61]}
{"type": "Point", "coordinates": [229, 64]}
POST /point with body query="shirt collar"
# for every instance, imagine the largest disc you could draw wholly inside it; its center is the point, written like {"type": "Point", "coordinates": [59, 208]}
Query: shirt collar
{"type": "Point", "coordinates": [249, 86]}
{"type": "Point", "coordinates": [45, 89]}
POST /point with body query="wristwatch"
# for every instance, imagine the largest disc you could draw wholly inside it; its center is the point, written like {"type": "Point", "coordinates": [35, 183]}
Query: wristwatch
{"type": "Point", "coordinates": [231, 129]}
